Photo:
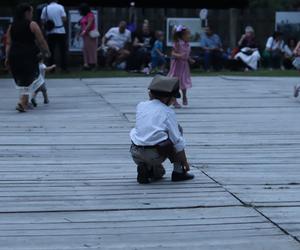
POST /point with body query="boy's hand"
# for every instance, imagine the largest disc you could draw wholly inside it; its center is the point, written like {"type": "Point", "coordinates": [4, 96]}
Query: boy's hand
{"type": "Point", "coordinates": [186, 166]}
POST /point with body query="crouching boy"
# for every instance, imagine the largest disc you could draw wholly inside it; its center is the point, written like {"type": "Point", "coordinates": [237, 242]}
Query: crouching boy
{"type": "Point", "coordinates": [157, 135]}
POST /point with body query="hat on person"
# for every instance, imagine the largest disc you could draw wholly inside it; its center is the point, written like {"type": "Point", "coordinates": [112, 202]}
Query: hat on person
{"type": "Point", "coordinates": [164, 86]}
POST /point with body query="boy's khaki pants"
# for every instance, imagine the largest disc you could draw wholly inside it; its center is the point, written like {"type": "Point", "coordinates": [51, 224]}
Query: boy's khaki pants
{"type": "Point", "coordinates": [150, 157]}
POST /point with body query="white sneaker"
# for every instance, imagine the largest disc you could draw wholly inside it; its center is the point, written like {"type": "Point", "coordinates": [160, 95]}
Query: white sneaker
{"type": "Point", "coordinates": [146, 71]}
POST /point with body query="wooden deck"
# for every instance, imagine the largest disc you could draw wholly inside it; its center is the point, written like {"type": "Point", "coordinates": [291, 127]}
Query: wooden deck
{"type": "Point", "coordinates": [67, 180]}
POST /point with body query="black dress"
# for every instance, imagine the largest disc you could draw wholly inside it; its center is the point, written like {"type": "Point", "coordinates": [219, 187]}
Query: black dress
{"type": "Point", "coordinates": [23, 52]}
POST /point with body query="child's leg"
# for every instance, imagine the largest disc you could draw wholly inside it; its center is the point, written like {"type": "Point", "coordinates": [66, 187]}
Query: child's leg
{"type": "Point", "coordinates": [296, 91]}
{"type": "Point", "coordinates": [44, 92]}
{"type": "Point", "coordinates": [184, 97]}
{"type": "Point", "coordinates": [33, 96]}
{"type": "Point", "coordinates": [162, 64]}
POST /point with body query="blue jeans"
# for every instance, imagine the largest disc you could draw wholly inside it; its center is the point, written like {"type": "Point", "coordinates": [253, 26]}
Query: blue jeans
{"type": "Point", "coordinates": [214, 59]}
{"type": "Point", "coordinates": [157, 61]}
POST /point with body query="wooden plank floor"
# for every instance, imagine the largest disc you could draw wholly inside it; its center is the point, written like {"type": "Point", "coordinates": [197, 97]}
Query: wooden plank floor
{"type": "Point", "coordinates": [67, 180]}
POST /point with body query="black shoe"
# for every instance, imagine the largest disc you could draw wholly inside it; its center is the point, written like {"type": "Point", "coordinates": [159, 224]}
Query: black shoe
{"type": "Point", "coordinates": [46, 100]}
{"type": "Point", "coordinates": [143, 174]}
{"type": "Point", "coordinates": [181, 176]}
{"type": "Point", "coordinates": [20, 108]}
{"type": "Point", "coordinates": [33, 102]}
{"type": "Point", "coordinates": [157, 172]}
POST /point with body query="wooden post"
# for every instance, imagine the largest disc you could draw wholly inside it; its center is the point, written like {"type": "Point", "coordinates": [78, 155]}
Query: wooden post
{"type": "Point", "coordinates": [233, 20]}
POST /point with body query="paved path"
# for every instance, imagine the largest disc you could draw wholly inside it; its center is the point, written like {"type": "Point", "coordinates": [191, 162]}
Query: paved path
{"type": "Point", "coordinates": [67, 180]}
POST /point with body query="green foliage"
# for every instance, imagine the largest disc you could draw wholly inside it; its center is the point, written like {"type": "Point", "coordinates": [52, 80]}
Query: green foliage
{"type": "Point", "coordinates": [274, 4]}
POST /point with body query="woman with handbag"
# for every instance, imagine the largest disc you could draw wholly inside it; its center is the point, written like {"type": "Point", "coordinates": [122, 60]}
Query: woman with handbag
{"type": "Point", "coordinates": [90, 36]}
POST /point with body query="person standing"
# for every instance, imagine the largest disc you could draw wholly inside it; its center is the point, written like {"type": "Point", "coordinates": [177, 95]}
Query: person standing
{"type": "Point", "coordinates": [90, 43]}
{"type": "Point", "coordinates": [158, 58]}
{"type": "Point", "coordinates": [23, 38]}
{"type": "Point", "coordinates": [53, 17]}
{"type": "Point", "coordinates": [43, 70]}
{"type": "Point", "coordinates": [180, 62]}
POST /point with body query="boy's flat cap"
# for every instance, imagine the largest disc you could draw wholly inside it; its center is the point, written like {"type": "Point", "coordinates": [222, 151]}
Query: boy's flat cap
{"type": "Point", "coordinates": [165, 86]}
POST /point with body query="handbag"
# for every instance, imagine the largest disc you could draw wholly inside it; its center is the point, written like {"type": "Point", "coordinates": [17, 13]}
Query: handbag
{"type": "Point", "coordinates": [94, 33]}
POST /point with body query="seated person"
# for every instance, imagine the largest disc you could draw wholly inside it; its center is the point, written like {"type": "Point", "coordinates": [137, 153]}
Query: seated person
{"type": "Point", "coordinates": [273, 53]}
{"type": "Point", "coordinates": [158, 58]}
{"type": "Point", "coordinates": [288, 55]}
{"type": "Point", "coordinates": [141, 49]}
{"type": "Point", "coordinates": [116, 41]}
{"type": "Point", "coordinates": [157, 135]}
{"type": "Point", "coordinates": [213, 51]}
{"type": "Point", "coordinates": [248, 49]}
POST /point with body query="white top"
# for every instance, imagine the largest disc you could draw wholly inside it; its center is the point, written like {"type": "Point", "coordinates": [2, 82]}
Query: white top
{"type": "Point", "coordinates": [42, 68]}
{"type": "Point", "coordinates": [116, 39]}
{"type": "Point", "coordinates": [55, 12]}
{"type": "Point", "coordinates": [274, 45]}
{"type": "Point", "coordinates": [287, 51]}
{"type": "Point", "coordinates": [156, 122]}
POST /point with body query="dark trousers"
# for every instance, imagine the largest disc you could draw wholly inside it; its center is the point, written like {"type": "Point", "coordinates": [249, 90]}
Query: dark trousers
{"type": "Point", "coordinates": [54, 41]}
{"type": "Point", "coordinates": [213, 58]}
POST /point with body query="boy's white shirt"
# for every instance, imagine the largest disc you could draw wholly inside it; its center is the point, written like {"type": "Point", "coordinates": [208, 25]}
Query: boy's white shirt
{"type": "Point", "coordinates": [156, 122]}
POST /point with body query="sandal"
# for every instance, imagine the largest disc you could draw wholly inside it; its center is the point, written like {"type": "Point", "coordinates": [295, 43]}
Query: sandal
{"type": "Point", "coordinates": [177, 105]}
{"type": "Point", "coordinates": [20, 108]}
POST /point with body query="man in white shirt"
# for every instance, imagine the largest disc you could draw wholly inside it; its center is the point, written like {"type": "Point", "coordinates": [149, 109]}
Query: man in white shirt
{"type": "Point", "coordinates": [117, 40]}
{"type": "Point", "coordinates": [157, 135]}
{"type": "Point", "coordinates": [56, 36]}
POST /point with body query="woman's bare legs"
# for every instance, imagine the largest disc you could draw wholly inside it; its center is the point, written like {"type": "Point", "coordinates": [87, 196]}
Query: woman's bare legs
{"type": "Point", "coordinates": [23, 103]}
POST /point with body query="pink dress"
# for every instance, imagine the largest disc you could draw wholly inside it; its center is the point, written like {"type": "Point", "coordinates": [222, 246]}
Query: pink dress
{"type": "Point", "coordinates": [180, 67]}
{"type": "Point", "coordinates": [89, 44]}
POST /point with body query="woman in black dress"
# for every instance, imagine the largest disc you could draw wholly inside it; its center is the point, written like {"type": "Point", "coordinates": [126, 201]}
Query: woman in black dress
{"type": "Point", "coordinates": [24, 42]}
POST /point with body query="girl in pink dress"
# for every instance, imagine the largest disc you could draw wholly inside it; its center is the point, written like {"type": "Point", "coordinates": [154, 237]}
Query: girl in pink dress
{"type": "Point", "coordinates": [180, 61]}
{"type": "Point", "coordinates": [88, 24]}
